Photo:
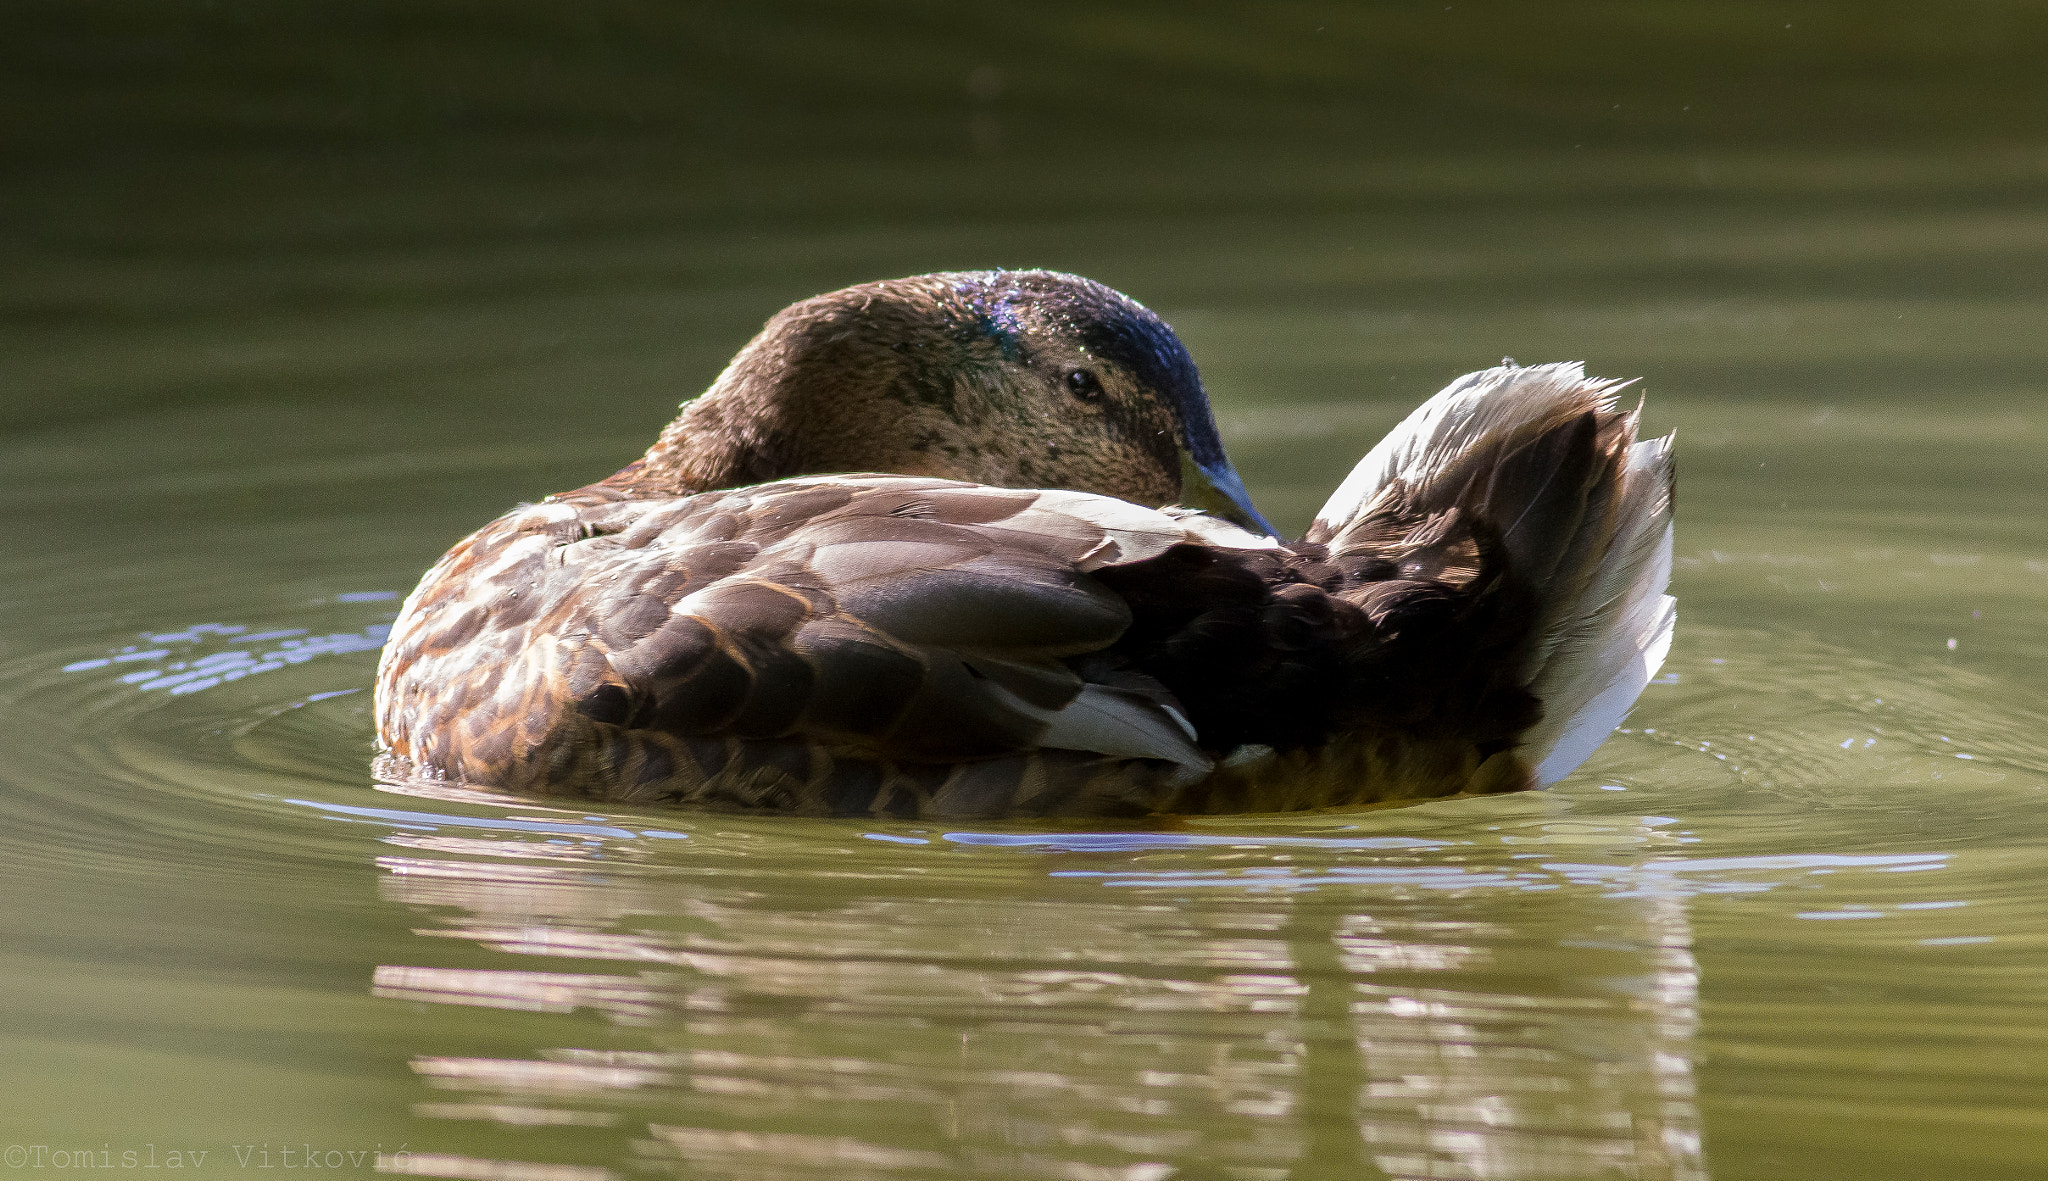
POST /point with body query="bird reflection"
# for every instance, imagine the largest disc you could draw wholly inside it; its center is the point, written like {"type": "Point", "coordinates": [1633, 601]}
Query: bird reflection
{"type": "Point", "coordinates": [892, 1014]}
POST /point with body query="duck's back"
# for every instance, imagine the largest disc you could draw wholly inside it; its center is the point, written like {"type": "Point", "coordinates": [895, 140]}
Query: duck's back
{"type": "Point", "coordinates": [893, 645]}
{"type": "Point", "coordinates": [835, 645]}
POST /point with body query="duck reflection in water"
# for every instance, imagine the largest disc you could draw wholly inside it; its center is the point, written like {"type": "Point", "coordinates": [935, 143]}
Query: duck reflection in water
{"type": "Point", "coordinates": [1415, 1015]}
{"type": "Point", "coordinates": [720, 624]}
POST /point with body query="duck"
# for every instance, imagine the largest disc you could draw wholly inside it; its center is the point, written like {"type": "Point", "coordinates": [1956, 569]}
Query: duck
{"type": "Point", "coordinates": [968, 545]}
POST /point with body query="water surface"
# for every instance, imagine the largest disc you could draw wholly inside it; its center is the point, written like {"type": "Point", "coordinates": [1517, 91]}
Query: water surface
{"type": "Point", "coordinates": [1784, 924]}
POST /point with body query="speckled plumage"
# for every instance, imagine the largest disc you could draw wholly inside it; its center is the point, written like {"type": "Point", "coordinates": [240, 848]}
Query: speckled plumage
{"type": "Point", "coordinates": [911, 645]}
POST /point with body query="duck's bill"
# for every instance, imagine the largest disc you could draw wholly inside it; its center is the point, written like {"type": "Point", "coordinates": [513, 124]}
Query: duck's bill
{"type": "Point", "coordinates": [1216, 489]}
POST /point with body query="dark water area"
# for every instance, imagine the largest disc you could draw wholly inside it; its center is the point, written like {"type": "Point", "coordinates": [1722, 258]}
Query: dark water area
{"type": "Point", "coordinates": [297, 295]}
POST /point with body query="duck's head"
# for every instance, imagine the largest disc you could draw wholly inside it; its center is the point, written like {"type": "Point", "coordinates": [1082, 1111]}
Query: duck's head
{"type": "Point", "coordinates": [1026, 379]}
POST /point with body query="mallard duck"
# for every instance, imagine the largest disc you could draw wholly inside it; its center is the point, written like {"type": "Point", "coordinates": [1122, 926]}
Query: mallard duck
{"type": "Point", "coordinates": [1059, 600]}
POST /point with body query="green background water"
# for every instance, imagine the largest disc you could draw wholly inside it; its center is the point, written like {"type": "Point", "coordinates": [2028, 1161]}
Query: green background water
{"type": "Point", "coordinates": [297, 294]}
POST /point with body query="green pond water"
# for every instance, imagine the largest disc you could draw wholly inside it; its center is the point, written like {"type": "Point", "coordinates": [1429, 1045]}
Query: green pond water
{"type": "Point", "coordinates": [1786, 924]}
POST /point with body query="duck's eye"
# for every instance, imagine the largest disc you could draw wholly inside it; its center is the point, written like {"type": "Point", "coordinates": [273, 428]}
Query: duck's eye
{"type": "Point", "coordinates": [1083, 384]}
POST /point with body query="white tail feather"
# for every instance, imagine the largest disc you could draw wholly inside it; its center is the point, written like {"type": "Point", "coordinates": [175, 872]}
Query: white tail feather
{"type": "Point", "coordinates": [1586, 729]}
{"type": "Point", "coordinates": [1469, 409]}
{"type": "Point", "coordinates": [1605, 624]}
{"type": "Point", "coordinates": [1619, 630]}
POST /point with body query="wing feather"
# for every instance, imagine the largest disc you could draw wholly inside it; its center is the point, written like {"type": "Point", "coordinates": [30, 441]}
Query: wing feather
{"type": "Point", "coordinates": [900, 618]}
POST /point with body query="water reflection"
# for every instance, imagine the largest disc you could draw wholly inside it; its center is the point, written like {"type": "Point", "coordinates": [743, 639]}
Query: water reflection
{"type": "Point", "coordinates": [1301, 1007]}
{"type": "Point", "coordinates": [180, 662]}
{"type": "Point", "coordinates": [1491, 989]}
{"type": "Point", "coordinates": [1502, 989]}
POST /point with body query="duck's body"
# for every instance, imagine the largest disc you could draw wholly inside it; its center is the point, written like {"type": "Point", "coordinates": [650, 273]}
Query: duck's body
{"type": "Point", "coordinates": [1473, 612]}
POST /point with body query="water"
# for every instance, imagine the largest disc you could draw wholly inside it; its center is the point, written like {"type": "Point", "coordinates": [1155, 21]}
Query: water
{"type": "Point", "coordinates": [1785, 924]}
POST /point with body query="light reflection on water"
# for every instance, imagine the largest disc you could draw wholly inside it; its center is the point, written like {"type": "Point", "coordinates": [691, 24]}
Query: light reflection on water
{"type": "Point", "coordinates": [1056, 1034]}
{"type": "Point", "coordinates": [181, 668]}
{"type": "Point", "coordinates": [1378, 1029]}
